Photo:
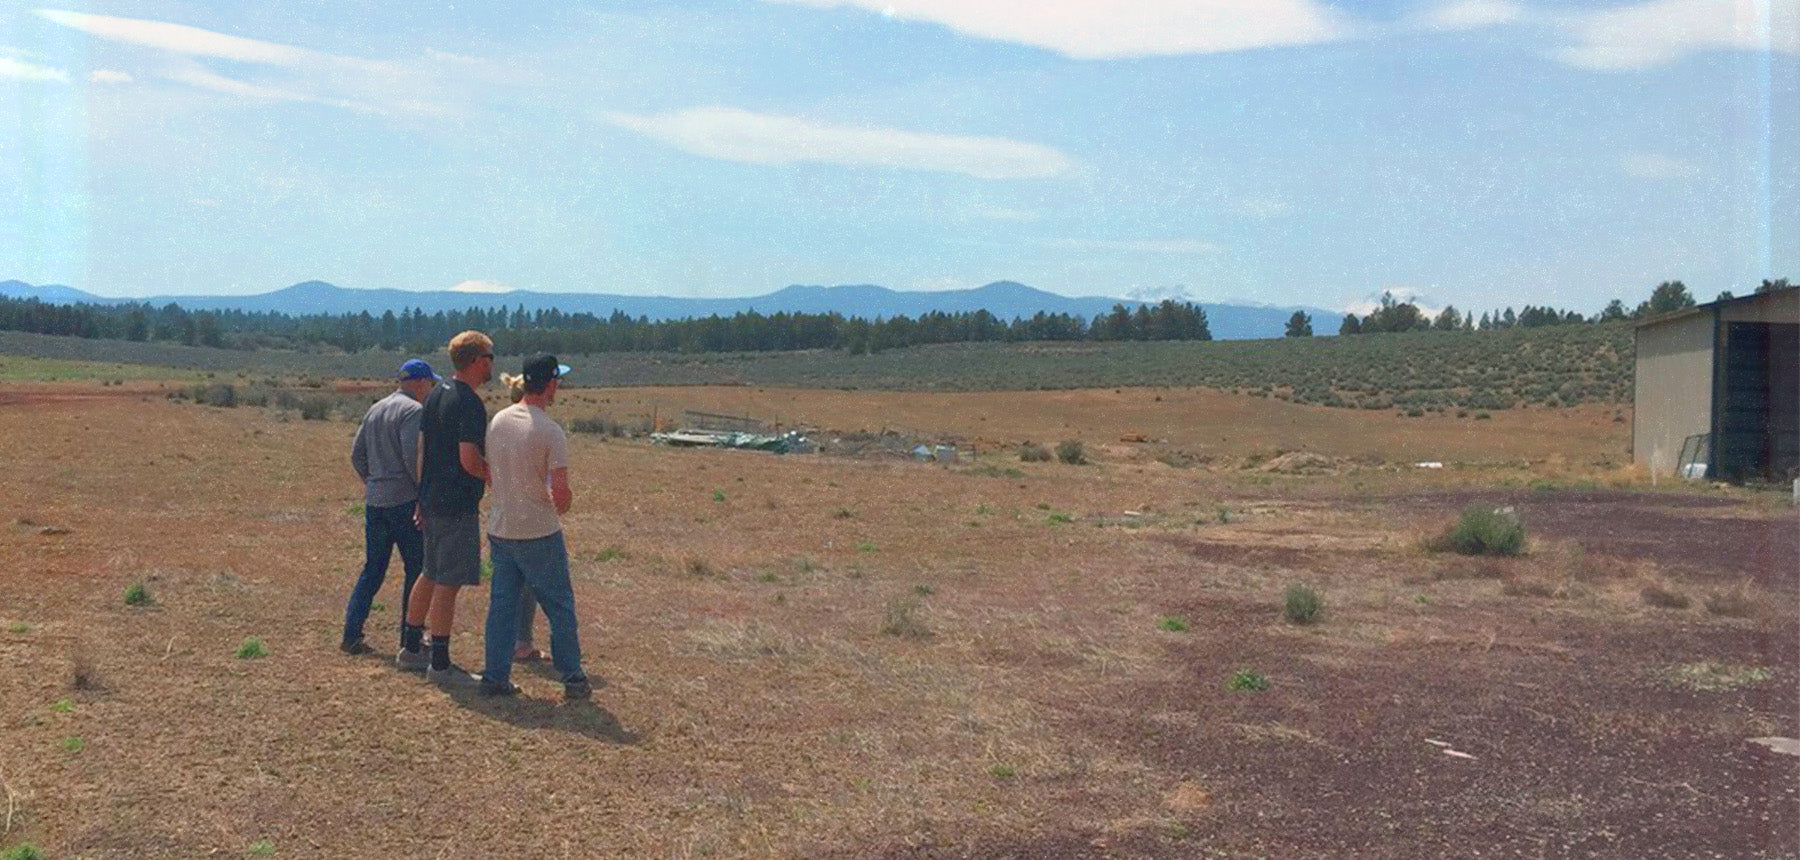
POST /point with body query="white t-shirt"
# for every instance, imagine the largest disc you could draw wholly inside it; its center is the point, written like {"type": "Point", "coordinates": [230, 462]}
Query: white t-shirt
{"type": "Point", "coordinates": [523, 445]}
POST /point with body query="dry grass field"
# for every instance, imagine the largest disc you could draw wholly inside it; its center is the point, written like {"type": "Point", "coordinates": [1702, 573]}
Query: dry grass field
{"type": "Point", "coordinates": [821, 656]}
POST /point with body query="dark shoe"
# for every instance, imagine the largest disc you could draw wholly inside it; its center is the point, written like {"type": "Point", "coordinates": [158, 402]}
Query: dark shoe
{"type": "Point", "coordinates": [497, 690]}
{"type": "Point", "coordinates": [413, 661]}
{"type": "Point", "coordinates": [579, 689]}
{"type": "Point", "coordinates": [356, 649]}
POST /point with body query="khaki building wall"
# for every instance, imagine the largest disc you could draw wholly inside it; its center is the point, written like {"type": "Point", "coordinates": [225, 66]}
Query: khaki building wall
{"type": "Point", "coordinates": [1674, 389]}
{"type": "Point", "coordinates": [1782, 307]}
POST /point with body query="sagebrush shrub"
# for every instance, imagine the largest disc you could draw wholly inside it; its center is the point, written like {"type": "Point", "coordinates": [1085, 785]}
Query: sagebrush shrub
{"type": "Point", "coordinates": [1032, 452]}
{"type": "Point", "coordinates": [1071, 451]}
{"type": "Point", "coordinates": [316, 407]}
{"type": "Point", "coordinates": [1486, 531]}
{"type": "Point", "coordinates": [1301, 604]}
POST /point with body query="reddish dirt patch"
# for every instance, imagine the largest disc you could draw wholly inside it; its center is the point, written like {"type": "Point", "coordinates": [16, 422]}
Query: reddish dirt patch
{"type": "Point", "coordinates": [1680, 533]}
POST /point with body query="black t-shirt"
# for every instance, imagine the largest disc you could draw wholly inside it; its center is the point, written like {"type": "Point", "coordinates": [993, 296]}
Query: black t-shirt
{"type": "Point", "coordinates": [453, 414]}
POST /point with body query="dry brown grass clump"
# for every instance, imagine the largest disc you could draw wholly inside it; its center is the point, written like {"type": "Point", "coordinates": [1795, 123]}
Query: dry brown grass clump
{"type": "Point", "coordinates": [747, 641]}
{"type": "Point", "coordinates": [1734, 603]}
{"type": "Point", "coordinates": [82, 673]}
{"type": "Point", "coordinates": [1531, 587]}
{"type": "Point", "coordinates": [901, 619]}
{"type": "Point", "coordinates": [1664, 596]}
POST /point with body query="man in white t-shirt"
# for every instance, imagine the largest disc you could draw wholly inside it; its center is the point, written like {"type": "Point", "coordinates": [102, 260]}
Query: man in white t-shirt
{"type": "Point", "coordinates": [528, 457]}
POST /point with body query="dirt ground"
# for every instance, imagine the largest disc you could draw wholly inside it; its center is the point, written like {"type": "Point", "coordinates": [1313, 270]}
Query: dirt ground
{"type": "Point", "coordinates": [813, 656]}
{"type": "Point", "coordinates": [1198, 421]}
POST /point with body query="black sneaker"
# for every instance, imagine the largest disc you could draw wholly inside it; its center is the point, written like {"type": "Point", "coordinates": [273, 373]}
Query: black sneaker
{"type": "Point", "coordinates": [356, 648]}
{"type": "Point", "coordinates": [578, 689]}
{"type": "Point", "coordinates": [488, 688]}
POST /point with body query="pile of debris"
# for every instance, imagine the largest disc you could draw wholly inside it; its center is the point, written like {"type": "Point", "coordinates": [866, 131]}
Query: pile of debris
{"type": "Point", "coordinates": [1301, 463]}
{"type": "Point", "coordinates": [791, 442]}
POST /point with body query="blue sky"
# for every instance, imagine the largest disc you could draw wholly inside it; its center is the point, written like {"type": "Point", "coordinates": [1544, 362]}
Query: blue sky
{"type": "Point", "coordinates": [1475, 152]}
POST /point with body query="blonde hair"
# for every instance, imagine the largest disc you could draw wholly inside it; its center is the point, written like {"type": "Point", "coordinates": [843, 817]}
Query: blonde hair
{"type": "Point", "coordinates": [515, 385]}
{"type": "Point", "coordinates": [468, 346]}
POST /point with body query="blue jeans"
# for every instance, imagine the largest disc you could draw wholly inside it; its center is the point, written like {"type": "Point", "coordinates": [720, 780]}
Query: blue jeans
{"type": "Point", "coordinates": [543, 564]}
{"type": "Point", "coordinates": [383, 530]}
{"type": "Point", "coordinates": [527, 612]}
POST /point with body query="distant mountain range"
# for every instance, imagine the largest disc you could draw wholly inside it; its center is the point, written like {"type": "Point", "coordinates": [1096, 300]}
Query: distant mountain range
{"type": "Point", "coordinates": [1004, 299]}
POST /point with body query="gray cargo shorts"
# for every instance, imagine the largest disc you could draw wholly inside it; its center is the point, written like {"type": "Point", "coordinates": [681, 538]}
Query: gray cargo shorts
{"type": "Point", "coordinates": [453, 549]}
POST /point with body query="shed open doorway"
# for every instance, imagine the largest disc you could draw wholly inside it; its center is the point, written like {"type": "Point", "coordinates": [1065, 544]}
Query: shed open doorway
{"type": "Point", "coordinates": [1757, 425]}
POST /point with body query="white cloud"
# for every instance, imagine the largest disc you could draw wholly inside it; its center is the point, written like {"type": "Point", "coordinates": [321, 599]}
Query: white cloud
{"type": "Point", "coordinates": [738, 135]}
{"type": "Point", "coordinates": [1143, 246]}
{"type": "Point", "coordinates": [20, 70]}
{"type": "Point", "coordinates": [315, 77]}
{"type": "Point", "coordinates": [481, 286]}
{"type": "Point", "coordinates": [1470, 15]}
{"type": "Point", "coordinates": [108, 76]}
{"type": "Point", "coordinates": [1650, 165]}
{"type": "Point", "coordinates": [192, 41]}
{"type": "Point", "coordinates": [1641, 36]}
{"type": "Point", "coordinates": [1090, 29]}
{"type": "Point", "coordinates": [195, 76]}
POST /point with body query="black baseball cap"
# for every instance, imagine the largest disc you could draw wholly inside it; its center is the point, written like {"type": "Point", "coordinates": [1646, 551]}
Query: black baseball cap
{"type": "Point", "coordinates": [543, 368]}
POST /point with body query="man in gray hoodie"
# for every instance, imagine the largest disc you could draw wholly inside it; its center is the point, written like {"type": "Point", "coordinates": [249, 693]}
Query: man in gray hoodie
{"type": "Point", "coordinates": [385, 456]}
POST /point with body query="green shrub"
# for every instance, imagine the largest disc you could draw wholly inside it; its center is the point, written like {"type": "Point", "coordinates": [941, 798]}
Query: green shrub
{"type": "Point", "coordinates": [1486, 531]}
{"type": "Point", "coordinates": [1071, 452]}
{"type": "Point", "coordinates": [1302, 605]}
{"type": "Point", "coordinates": [316, 407]}
{"type": "Point", "coordinates": [1172, 623]}
{"type": "Point", "coordinates": [252, 649]}
{"type": "Point", "coordinates": [219, 394]}
{"type": "Point", "coordinates": [1032, 452]}
{"type": "Point", "coordinates": [22, 851]}
{"type": "Point", "coordinates": [1247, 681]}
{"type": "Point", "coordinates": [137, 594]}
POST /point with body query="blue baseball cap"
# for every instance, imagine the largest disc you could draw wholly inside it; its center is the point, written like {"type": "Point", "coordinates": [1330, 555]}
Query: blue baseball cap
{"type": "Point", "coordinates": [417, 368]}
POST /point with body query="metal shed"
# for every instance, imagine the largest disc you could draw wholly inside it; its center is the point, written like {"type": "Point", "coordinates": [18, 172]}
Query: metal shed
{"type": "Point", "coordinates": [1717, 389]}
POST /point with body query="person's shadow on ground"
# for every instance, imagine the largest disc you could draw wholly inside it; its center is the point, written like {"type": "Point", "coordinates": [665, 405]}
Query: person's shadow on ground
{"type": "Point", "coordinates": [582, 718]}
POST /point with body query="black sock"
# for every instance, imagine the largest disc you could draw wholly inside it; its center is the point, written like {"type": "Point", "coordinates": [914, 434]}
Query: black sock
{"type": "Point", "coordinates": [411, 638]}
{"type": "Point", "coordinates": [440, 652]}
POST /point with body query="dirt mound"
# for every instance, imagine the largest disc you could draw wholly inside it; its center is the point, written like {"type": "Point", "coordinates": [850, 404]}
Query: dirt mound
{"type": "Point", "coordinates": [1301, 463]}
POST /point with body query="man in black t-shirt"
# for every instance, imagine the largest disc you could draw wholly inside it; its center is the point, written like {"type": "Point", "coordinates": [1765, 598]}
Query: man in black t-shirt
{"type": "Point", "coordinates": [453, 474]}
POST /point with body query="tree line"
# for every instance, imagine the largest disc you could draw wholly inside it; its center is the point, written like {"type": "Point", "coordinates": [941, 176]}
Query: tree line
{"type": "Point", "coordinates": [1392, 315]}
{"type": "Point", "coordinates": [517, 331]}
